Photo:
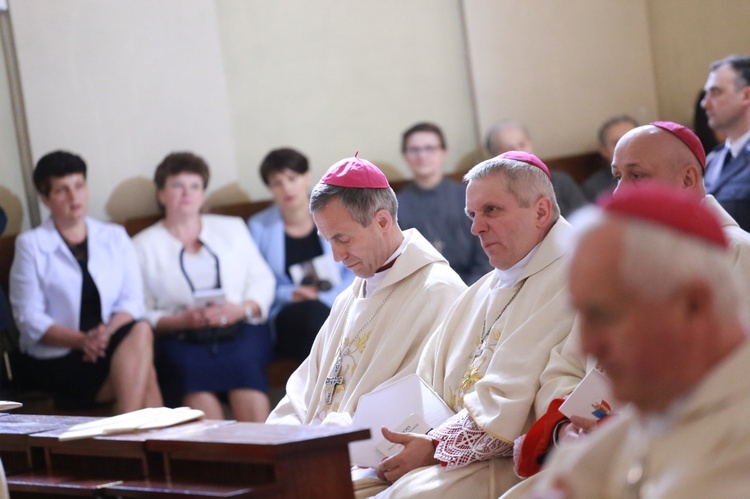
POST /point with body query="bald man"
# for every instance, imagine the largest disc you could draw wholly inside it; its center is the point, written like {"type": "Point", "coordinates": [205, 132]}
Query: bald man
{"type": "Point", "coordinates": [671, 153]}
{"type": "Point", "coordinates": [668, 153]}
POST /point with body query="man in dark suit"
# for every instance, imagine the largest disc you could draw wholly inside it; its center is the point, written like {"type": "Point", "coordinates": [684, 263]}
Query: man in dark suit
{"type": "Point", "coordinates": [727, 105]}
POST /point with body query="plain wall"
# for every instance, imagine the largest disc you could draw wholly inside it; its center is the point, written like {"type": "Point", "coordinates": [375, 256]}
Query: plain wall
{"type": "Point", "coordinates": [686, 37]}
{"type": "Point", "coordinates": [12, 196]}
{"type": "Point", "coordinates": [331, 78]}
{"type": "Point", "coordinates": [562, 68]}
{"type": "Point", "coordinates": [124, 83]}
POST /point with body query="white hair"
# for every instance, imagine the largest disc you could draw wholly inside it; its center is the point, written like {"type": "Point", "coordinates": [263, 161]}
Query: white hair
{"type": "Point", "coordinates": [657, 261]}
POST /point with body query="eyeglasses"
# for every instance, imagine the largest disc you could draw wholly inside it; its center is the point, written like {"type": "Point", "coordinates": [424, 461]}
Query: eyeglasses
{"type": "Point", "coordinates": [414, 151]}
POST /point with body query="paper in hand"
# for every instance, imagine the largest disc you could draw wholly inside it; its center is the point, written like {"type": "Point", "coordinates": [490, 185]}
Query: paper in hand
{"type": "Point", "coordinates": [412, 424]}
{"type": "Point", "coordinates": [392, 406]}
{"type": "Point", "coordinates": [592, 398]}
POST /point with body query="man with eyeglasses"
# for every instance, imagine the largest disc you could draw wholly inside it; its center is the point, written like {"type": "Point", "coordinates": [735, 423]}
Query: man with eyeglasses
{"type": "Point", "coordinates": [434, 204]}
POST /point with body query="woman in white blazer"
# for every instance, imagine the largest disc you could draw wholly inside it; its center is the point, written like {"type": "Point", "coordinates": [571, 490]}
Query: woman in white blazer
{"type": "Point", "coordinates": [76, 293]}
{"type": "Point", "coordinates": [208, 292]}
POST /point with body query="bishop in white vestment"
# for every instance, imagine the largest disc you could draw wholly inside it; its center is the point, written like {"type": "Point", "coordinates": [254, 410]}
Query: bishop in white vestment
{"type": "Point", "coordinates": [486, 358]}
{"type": "Point", "coordinates": [379, 325]}
{"type": "Point", "coordinates": [662, 151]}
{"type": "Point", "coordinates": [655, 282]}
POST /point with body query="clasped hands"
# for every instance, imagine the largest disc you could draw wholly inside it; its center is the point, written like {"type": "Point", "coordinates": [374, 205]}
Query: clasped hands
{"type": "Point", "coordinates": [212, 315]}
{"type": "Point", "coordinates": [95, 343]}
{"type": "Point", "coordinates": [418, 451]}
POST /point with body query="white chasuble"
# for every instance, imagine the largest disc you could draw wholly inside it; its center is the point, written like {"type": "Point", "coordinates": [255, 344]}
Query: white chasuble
{"type": "Point", "coordinates": [353, 343]}
{"type": "Point", "coordinates": [499, 389]}
{"type": "Point", "coordinates": [420, 289]}
{"type": "Point", "coordinates": [479, 355]}
{"type": "Point", "coordinates": [699, 447]}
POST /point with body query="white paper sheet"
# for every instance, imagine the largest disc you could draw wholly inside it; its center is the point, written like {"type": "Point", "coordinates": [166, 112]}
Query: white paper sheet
{"type": "Point", "coordinates": [592, 398]}
{"type": "Point", "coordinates": [389, 406]}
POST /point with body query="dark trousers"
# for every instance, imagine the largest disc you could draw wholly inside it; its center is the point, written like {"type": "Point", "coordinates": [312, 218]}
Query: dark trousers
{"type": "Point", "coordinates": [296, 326]}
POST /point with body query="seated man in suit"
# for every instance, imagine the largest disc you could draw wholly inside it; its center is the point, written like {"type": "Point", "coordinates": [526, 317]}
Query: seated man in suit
{"type": "Point", "coordinates": [727, 105]}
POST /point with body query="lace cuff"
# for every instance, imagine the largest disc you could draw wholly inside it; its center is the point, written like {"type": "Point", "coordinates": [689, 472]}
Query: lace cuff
{"type": "Point", "coordinates": [461, 441]}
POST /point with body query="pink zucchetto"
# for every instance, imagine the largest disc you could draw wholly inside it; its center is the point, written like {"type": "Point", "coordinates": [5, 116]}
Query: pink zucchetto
{"type": "Point", "coordinates": [357, 173]}
{"type": "Point", "coordinates": [687, 136]}
{"type": "Point", "coordinates": [670, 207]}
{"type": "Point", "coordinates": [527, 157]}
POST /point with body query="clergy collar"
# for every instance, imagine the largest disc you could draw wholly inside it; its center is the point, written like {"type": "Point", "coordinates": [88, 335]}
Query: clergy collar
{"type": "Point", "coordinates": [372, 282]}
{"type": "Point", "coordinates": [736, 146]}
{"type": "Point", "coordinates": [506, 279]}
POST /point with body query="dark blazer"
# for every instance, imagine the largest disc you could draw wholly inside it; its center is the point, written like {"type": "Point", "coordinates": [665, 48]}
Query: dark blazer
{"type": "Point", "coordinates": [732, 189]}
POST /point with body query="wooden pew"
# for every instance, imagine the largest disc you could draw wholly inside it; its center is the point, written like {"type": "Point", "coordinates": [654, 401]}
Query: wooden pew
{"type": "Point", "coordinates": [579, 166]}
{"type": "Point", "coordinates": [199, 459]}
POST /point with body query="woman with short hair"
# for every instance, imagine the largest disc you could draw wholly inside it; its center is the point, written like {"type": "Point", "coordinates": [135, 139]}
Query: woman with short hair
{"type": "Point", "coordinates": [76, 294]}
{"type": "Point", "coordinates": [308, 279]}
{"type": "Point", "coordinates": [208, 291]}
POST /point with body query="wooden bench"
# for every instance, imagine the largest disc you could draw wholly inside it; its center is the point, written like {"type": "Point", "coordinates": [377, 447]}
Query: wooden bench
{"type": "Point", "coordinates": [278, 371]}
{"type": "Point", "coordinates": [579, 166]}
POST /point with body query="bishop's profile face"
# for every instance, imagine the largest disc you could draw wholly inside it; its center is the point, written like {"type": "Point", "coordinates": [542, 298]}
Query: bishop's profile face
{"type": "Point", "coordinates": [507, 230]}
{"type": "Point", "coordinates": [638, 340]}
{"type": "Point", "coordinates": [362, 249]}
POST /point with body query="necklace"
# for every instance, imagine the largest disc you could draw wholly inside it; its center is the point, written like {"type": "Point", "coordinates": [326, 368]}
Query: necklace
{"type": "Point", "coordinates": [334, 379]}
{"type": "Point", "coordinates": [485, 331]}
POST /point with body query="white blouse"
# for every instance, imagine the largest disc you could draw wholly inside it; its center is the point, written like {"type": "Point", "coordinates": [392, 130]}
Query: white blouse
{"type": "Point", "coordinates": [243, 272]}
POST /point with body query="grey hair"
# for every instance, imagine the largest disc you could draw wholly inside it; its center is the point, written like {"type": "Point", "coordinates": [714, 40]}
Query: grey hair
{"type": "Point", "coordinates": [490, 140]}
{"type": "Point", "coordinates": [525, 182]}
{"type": "Point", "coordinates": [362, 204]}
{"type": "Point", "coordinates": [616, 120]}
{"type": "Point", "coordinates": [740, 64]}
{"type": "Point", "coordinates": [657, 261]}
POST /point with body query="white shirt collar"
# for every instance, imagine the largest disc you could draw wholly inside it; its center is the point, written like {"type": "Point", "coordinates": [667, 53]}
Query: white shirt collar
{"type": "Point", "coordinates": [372, 282]}
{"type": "Point", "coordinates": [736, 146]}
{"type": "Point", "coordinates": [505, 279]}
